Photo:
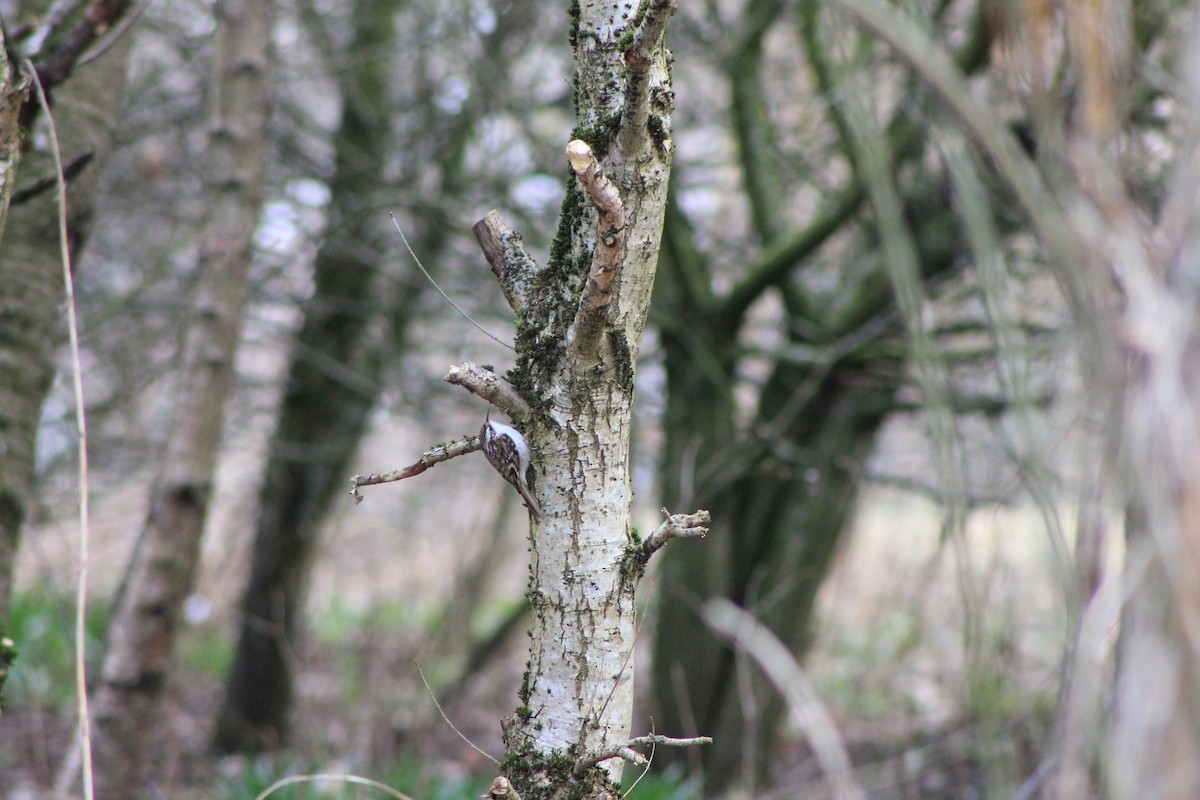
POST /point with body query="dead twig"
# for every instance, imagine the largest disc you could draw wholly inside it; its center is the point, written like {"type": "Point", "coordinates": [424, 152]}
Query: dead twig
{"type": "Point", "coordinates": [678, 526]}
{"type": "Point", "coordinates": [625, 750]}
{"type": "Point", "coordinates": [431, 457]}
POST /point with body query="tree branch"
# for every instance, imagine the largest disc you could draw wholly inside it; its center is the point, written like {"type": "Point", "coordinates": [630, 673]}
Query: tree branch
{"type": "Point", "coordinates": [781, 255]}
{"type": "Point", "coordinates": [639, 56]}
{"type": "Point", "coordinates": [505, 253]}
{"type": "Point", "coordinates": [677, 526]}
{"type": "Point", "coordinates": [625, 750]}
{"type": "Point", "coordinates": [750, 636]}
{"type": "Point", "coordinates": [44, 184]}
{"type": "Point", "coordinates": [55, 52]}
{"type": "Point", "coordinates": [430, 458]}
{"type": "Point", "coordinates": [986, 127]}
{"type": "Point", "coordinates": [610, 238]}
{"type": "Point", "coordinates": [756, 137]}
{"type": "Point", "coordinates": [490, 387]}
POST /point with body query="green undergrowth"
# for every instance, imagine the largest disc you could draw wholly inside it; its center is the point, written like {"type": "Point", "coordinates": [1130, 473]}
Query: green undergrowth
{"type": "Point", "coordinates": [668, 785]}
{"type": "Point", "coordinates": [42, 627]}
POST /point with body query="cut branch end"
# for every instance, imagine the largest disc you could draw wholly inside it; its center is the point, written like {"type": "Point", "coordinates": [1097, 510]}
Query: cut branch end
{"type": "Point", "coordinates": [609, 254]}
{"type": "Point", "coordinates": [490, 386]}
{"type": "Point", "coordinates": [505, 254]}
{"type": "Point", "coordinates": [678, 526]}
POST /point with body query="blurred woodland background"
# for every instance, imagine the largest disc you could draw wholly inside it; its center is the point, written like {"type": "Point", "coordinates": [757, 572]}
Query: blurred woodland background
{"type": "Point", "coordinates": [922, 340]}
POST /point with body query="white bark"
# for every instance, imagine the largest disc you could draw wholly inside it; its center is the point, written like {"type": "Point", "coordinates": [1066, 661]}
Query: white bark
{"type": "Point", "coordinates": [578, 691]}
{"type": "Point", "coordinates": [580, 319]}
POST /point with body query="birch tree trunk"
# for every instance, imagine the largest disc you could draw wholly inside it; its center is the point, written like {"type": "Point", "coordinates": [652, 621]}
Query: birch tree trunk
{"type": "Point", "coordinates": [581, 322]}
{"type": "Point", "coordinates": [128, 707]}
{"type": "Point", "coordinates": [579, 325]}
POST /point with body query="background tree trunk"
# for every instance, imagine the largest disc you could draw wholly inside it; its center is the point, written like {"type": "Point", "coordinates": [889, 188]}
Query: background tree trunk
{"type": "Point", "coordinates": [345, 350]}
{"type": "Point", "coordinates": [333, 382]}
{"type": "Point", "coordinates": [781, 488]}
{"type": "Point", "coordinates": [31, 288]}
{"type": "Point", "coordinates": [128, 709]}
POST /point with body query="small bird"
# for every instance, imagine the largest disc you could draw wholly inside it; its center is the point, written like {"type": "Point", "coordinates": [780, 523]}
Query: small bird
{"type": "Point", "coordinates": [507, 451]}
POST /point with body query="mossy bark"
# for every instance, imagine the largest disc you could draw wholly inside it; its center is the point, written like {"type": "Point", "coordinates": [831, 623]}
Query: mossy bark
{"type": "Point", "coordinates": [580, 323]}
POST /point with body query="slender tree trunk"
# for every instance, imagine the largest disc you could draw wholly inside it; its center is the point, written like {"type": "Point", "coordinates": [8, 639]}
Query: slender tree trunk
{"type": "Point", "coordinates": [1155, 735]}
{"type": "Point", "coordinates": [13, 90]}
{"type": "Point", "coordinates": [31, 288]}
{"type": "Point", "coordinates": [579, 325]}
{"type": "Point", "coordinates": [338, 366]}
{"type": "Point", "coordinates": [141, 636]}
{"type": "Point", "coordinates": [324, 414]}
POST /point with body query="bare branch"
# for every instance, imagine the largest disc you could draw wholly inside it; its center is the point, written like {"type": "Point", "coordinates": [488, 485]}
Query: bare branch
{"type": "Point", "coordinates": [625, 750]}
{"type": "Point", "coordinates": [987, 128]}
{"type": "Point", "coordinates": [639, 57]}
{"type": "Point", "coordinates": [646, 39]}
{"type": "Point", "coordinates": [490, 387]}
{"type": "Point", "coordinates": [505, 253]}
{"type": "Point", "coordinates": [44, 184]}
{"type": "Point", "coordinates": [677, 526]}
{"type": "Point", "coordinates": [610, 237]}
{"type": "Point", "coordinates": [430, 458]}
{"type": "Point", "coordinates": [58, 44]}
{"type": "Point", "coordinates": [114, 34]}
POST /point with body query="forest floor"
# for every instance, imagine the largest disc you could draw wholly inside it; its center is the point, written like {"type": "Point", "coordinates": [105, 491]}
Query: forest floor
{"type": "Point", "coordinates": [938, 667]}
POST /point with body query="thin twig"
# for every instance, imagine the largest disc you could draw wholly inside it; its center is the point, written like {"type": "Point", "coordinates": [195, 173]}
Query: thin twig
{"type": "Point", "coordinates": [637, 630]}
{"type": "Point", "coordinates": [429, 277]}
{"type": "Point", "coordinates": [73, 168]}
{"type": "Point", "coordinates": [438, 706]}
{"type": "Point", "coordinates": [429, 458]}
{"type": "Point", "coordinates": [114, 35]}
{"type": "Point", "coordinates": [625, 750]}
{"type": "Point", "coordinates": [85, 734]}
{"type": "Point", "coordinates": [677, 526]}
{"type": "Point", "coordinates": [645, 769]}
